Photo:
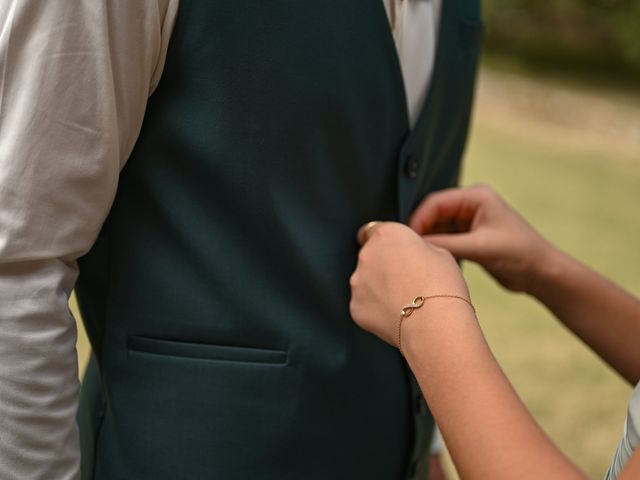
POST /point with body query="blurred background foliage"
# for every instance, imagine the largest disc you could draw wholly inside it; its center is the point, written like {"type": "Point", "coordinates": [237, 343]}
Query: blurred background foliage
{"type": "Point", "coordinates": [596, 40]}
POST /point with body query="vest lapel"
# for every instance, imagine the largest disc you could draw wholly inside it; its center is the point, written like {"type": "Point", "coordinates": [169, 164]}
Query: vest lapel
{"type": "Point", "coordinates": [409, 161]}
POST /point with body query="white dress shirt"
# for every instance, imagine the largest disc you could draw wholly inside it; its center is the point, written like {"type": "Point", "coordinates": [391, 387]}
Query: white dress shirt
{"type": "Point", "coordinates": [414, 24]}
{"type": "Point", "coordinates": [75, 77]}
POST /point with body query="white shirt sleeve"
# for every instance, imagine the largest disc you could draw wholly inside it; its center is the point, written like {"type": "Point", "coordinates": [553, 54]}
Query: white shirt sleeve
{"type": "Point", "coordinates": [74, 81]}
{"type": "Point", "coordinates": [630, 438]}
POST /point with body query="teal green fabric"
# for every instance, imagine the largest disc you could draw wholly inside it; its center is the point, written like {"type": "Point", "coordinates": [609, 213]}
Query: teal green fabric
{"type": "Point", "coordinates": [216, 296]}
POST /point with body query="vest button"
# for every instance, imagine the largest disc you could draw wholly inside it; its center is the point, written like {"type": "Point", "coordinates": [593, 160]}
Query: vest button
{"type": "Point", "coordinates": [411, 167]}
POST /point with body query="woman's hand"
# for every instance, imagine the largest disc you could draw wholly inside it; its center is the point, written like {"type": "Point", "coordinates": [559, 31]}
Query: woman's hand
{"type": "Point", "coordinates": [395, 265]}
{"type": "Point", "coordinates": [474, 223]}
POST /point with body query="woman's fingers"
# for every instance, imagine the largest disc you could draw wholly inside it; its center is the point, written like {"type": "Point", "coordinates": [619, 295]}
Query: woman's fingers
{"type": "Point", "coordinates": [395, 229]}
{"type": "Point", "coordinates": [460, 245]}
{"type": "Point", "coordinates": [449, 210]}
{"type": "Point", "coordinates": [437, 209]}
{"type": "Point", "coordinates": [365, 231]}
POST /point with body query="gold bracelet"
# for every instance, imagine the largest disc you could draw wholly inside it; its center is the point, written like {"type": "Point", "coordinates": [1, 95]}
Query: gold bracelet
{"type": "Point", "coordinates": [408, 309]}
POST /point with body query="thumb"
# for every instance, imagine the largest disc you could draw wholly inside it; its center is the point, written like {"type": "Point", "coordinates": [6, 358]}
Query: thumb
{"type": "Point", "coordinates": [461, 245]}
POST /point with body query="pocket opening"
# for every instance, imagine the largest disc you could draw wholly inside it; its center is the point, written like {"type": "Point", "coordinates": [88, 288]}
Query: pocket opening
{"type": "Point", "coordinates": [205, 351]}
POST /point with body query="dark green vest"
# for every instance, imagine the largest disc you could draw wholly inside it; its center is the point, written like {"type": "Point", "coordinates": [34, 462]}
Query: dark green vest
{"type": "Point", "coordinates": [216, 297]}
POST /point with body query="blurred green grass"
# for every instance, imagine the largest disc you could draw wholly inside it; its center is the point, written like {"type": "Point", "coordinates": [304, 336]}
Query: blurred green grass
{"type": "Point", "coordinates": [585, 199]}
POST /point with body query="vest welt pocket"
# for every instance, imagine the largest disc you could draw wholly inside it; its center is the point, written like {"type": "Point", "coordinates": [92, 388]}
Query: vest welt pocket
{"type": "Point", "coordinates": [205, 351]}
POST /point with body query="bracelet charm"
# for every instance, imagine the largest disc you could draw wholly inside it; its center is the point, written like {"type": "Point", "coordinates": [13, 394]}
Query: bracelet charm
{"type": "Point", "coordinates": [408, 309]}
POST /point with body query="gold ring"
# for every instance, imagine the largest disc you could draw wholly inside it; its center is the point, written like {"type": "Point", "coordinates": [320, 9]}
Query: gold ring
{"type": "Point", "coordinates": [365, 232]}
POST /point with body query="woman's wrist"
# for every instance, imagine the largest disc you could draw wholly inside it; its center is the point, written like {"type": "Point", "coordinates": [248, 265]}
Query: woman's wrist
{"type": "Point", "coordinates": [546, 273]}
{"type": "Point", "coordinates": [543, 269]}
{"type": "Point", "coordinates": [435, 325]}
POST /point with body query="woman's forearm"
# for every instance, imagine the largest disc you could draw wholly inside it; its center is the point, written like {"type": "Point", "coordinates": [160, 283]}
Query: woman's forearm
{"type": "Point", "coordinates": [602, 314]}
{"type": "Point", "coordinates": [492, 234]}
{"type": "Point", "coordinates": [488, 430]}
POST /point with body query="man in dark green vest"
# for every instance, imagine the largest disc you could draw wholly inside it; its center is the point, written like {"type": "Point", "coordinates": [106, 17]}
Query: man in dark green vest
{"type": "Point", "coordinates": [205, 165]}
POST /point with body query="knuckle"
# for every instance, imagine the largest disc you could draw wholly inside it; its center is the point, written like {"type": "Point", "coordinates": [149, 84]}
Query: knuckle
{"type": "Point", "coordinates": [381, 231]}
{"type": "Point", "coordinates": [485, 190]}
{"type": "Point", "coordinates": [391, 228]}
